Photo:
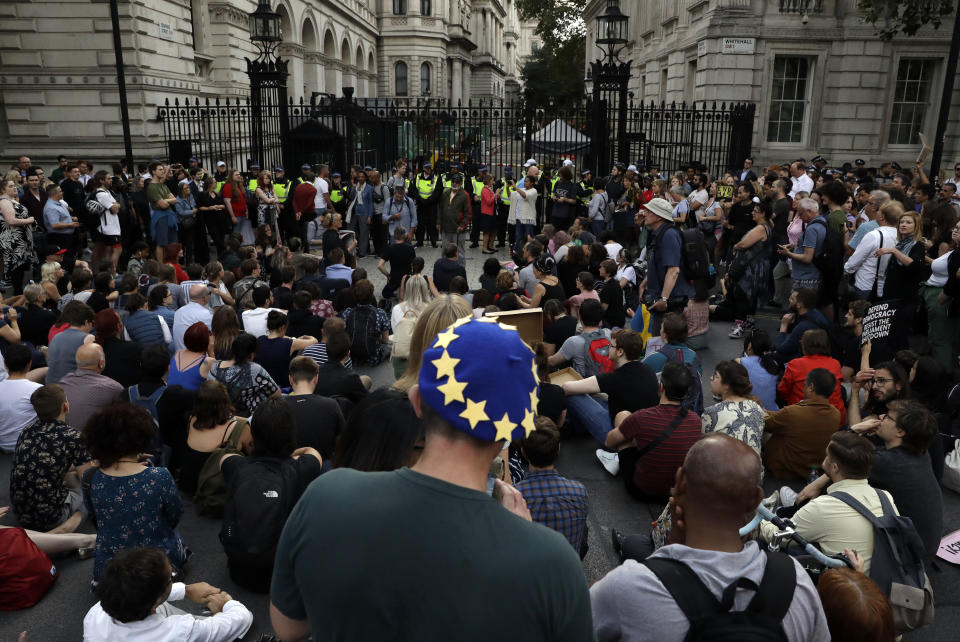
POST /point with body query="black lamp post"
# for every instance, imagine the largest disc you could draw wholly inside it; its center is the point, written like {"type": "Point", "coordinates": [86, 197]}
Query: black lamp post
{"type": "Point", "coordinates": [610, 79]}
{"type": "Point", "coordinates": [268, 88]}
{"type": "Point", "coordinates": [121, 87]}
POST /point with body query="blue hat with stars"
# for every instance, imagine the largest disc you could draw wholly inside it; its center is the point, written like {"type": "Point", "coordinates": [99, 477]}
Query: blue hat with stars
{"type": "Point", "coordinates": [481, 378]}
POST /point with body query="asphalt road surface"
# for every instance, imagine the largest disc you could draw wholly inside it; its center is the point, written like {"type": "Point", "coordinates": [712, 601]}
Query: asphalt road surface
{"type": "Point", "coordinates": [59, 615]}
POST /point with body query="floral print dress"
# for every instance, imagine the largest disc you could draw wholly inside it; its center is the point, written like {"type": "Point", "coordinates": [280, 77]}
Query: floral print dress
{"type": "Point", "coordinates": [136, 510]}
{"type": "Point", "coordinates": [16, 242]}
{"type": "Point", "coordinates": [740, 419]}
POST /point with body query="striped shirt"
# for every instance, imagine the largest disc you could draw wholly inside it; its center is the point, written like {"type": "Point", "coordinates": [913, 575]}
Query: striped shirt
{"type": "Point", "coordinates": [318, 352]}
{"type": "Point", "coordinates": [656, 471]}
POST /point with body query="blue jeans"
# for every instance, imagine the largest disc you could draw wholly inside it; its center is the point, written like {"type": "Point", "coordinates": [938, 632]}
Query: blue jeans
{"type": "Point", "coordinates": [523, 229]}
{"type": "Point", "coordinates": [590, 414]}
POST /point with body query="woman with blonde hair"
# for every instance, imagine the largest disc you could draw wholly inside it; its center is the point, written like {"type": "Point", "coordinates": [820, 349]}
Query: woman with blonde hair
{"type": "Point", "coordinates": [50, 273]}
{"type": "Point", "coordinates": [416, 297]}
{"type": "Point", "coordinates": [440, 313]}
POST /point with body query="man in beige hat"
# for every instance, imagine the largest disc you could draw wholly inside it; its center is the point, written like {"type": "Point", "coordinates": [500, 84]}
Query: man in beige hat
{"type": "Point", "coordinates": [666, 287]}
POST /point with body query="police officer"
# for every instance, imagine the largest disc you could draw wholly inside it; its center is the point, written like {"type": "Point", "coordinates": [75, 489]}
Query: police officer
{"type": "Point", "coordinates": [220, 175]}
{"type": "Point", "coordinates": [427, 189]}
{"type": "Point", "coordinates": [503, 209]}
{"type": "Point", "coordinates": [585, 192]}
{"type": "Point", "coordinates": [338, 193]}
{"type": "Point", "coordinates": [252, 176]}
{"type": "Point", "coordinates": [306, 174]}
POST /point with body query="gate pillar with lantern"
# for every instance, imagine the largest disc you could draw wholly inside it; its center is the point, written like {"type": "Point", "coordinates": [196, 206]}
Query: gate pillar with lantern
{"type": "Point", "coordinates": [610, 78]}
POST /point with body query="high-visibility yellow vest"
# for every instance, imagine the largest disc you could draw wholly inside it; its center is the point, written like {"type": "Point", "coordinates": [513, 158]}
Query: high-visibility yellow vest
{"type": "Point", "coordinates": [252, 185]}
{"type": "Point", "coordinates": [220, 185]}
{"type": "Point", "coordinates": [281, 190]}
{"type": "Point", "coordinates": [587, 193]}
{"type": "Point", "coordinates": [553, 183]}
{"type": "Point", "coordinates": [336, 194]}
{"type": "Point", "coordinates": [477, 186]}
{"type": "Point", "coordinates": [447, 181]}
{"type": "Point", "coordinates": [426, 186]}
{"type": "Point", "coordinates": [505, 194]}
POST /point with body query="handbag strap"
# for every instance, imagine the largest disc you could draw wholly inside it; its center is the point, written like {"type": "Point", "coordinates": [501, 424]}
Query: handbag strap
{"type": "Point", "coordinates": [662, 436]}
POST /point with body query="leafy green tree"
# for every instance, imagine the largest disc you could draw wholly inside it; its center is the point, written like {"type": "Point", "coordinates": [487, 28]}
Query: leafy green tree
{"type": "Point", "coordinates": [555, 74]}
{"type": "Point", "coordinates": [558, 21]}
{"type": "Point", "coordinates": [890, 17]}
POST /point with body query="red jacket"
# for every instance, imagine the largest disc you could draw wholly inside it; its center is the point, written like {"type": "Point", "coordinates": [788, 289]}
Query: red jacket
{"type": "Point", "coordinates": [794, 379]}
{"type": "Point", "coordinates": [304, 197]}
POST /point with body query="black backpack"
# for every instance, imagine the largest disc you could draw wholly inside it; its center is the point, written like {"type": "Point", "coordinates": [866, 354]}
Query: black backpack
{"type": "Point", "coordinates": [93, 214]}
{"type": "Point", "coordinates": [831, 257]}
{"type": "Point", "coordinates": [694, 254]}
{"type": "Point", "coordinates": [761, 621]}
{"type": "Point", "coordinates": [897, 563]}
{"type": "Point", "coordinates": [694, 397]}
{"type": "Point", "coordinates": [364, 335]}
{"type": "Point", "coordinates": [259, 502]}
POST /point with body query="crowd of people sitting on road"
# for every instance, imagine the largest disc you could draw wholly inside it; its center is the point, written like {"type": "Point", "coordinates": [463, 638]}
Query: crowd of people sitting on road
{"type": "Point", "coordinates": [214, 340]}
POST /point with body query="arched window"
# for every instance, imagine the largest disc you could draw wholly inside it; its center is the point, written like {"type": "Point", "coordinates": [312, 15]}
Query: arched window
{"type": "Point", "coordinates": [399, 7]}
{"type": "Point", "coordinates": [425, 79]}
{"type": "Point", "coordinates": [425, 8]}
{"type": "Point", "coordinates": [400, 76]}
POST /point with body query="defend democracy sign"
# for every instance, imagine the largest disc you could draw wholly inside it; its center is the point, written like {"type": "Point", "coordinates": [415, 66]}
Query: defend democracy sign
{"type": "Point", "coordinates": [878, 322]}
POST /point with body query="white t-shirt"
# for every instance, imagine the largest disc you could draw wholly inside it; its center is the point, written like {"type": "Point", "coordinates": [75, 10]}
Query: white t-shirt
{"type": "Point", "coordinates": [527, 207]}
{"type": "Point", "coordinates": [700, 196]}
{"type": "Point", "coordinates": [802, 183]}
{"type": "Point", "coordinates": [16, 411]}
{"type": "Point", "coordinates": [613, 249]}
{"type": "Point", "coordinates": [110, 224]}
{"type": "Point", "coordinates": [319, 202]}
{"type": "Point", "coordinates": [627, 272]}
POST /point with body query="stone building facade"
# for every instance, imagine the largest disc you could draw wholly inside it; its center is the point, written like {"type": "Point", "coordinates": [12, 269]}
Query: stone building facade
{"type": "Point", "coordinates": [58, 86]}
{"type": "Point", "coordinates": [822, 81]}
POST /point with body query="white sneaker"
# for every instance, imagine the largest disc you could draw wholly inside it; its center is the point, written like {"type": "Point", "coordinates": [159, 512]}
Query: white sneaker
{"type": "Point", "coordinates": [773, 500]}
{"type": "Point", "coordinates": [737, 331]}
{"type": "Point", "coordinates": [788, 496]}
{"type": "Point", "coordinates": [610, 461]}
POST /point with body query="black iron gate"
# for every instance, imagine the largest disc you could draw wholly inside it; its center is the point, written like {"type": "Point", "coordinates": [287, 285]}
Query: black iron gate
{"type": "Point", "coordinates": [342, 131]}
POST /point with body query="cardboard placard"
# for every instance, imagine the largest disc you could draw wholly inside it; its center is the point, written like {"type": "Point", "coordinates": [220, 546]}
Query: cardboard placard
{"type": "Point", "coordinates": [561, 377]}
{"type": "Point", "coordinates": [949, 549]}
{"type": "Point", "coordinates": [878, 322]}
{"type": "Point", "coordinates": [528, 322]}
{"type": "Point", "coordinates": [724, 191]}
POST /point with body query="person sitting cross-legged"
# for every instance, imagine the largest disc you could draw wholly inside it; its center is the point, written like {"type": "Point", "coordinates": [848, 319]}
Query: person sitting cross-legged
{"type": "Point", "coordinates": [554, 501]}
{"type": "Point", "coordinates": [714, 490]}
{"type": "Point", "coordinates": [797, 434]}
{"type": "Point", "coordinates": [135, 594]}
{"type": "Point", "coordinates": [651, 443]}
{"type": "Point", "coordinates": [816, 354]}
{"type": "Point", "coordinates": [632, 386]}
{"type": "Point", "coordinates": [48, 462]}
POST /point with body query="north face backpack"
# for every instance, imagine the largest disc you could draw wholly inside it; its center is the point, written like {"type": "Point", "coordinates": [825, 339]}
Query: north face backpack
{"type": "Point", "coordinates": [364, 336]}
{"type": "Point", "coordinates": [761, 621]}
{"type": "Point", "coordinates": [694, 397]}
{"type": "Point", "coordinates": [259, 502]}
{"type": "Point", "coordinates": [897, 563]}
{"type": "Point", "coordinates": [832, 255]}
{"type": "Point", "coordinates": [596, 353]}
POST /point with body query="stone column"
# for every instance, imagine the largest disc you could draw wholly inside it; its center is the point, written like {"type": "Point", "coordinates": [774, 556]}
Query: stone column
{"type": "Point", "coordinates": [487, 32]}
{"type": "Point", "coordinates": [467, 76]}
{"type": "Point", "coordinates": [457, 94]}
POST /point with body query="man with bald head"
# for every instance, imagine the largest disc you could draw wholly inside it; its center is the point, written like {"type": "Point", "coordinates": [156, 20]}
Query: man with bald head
{"type": "Point", "coordinates": [717, 490]}
{"type": "Point", "coordinates": [196, 311]}
{"type": "Point", "coordinates": [86, 388]}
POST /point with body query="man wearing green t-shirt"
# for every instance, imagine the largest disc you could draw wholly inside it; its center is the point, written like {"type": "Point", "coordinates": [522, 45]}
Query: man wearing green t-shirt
{"type": "Point", "coordinates": [420, 553]}
{"type": "Point", "coordinates": [834, 195]}
{"type": "Point", "coordinates": [163, 219]}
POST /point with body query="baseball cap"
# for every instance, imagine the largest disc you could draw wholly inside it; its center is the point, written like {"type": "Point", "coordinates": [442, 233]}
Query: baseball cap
{"type": "Point", "coordinates": [221, 164]}
{"type": "Point", "coordinates": [567, 162]}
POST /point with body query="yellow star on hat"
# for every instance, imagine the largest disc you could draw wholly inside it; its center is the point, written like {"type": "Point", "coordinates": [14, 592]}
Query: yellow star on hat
{"type": "Point", "coordinates": [475, 412]}
{"type": "Point", "coordinates": [452, 390]}
{"type": "Point", "coordinates": [504, 428]}
{"type": "Point", "coordinates": [461, 321]}
{"type": "Point", "coordinates": [445, 365]}
{"type": "Point", "coordinates": [527, 423]}
{"type": "Point", "coordinates": [445, 338]}
{"type": "Point", "coordinates": [533, 367]}
{"type": "Point", "coordinates": [534, 400]}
